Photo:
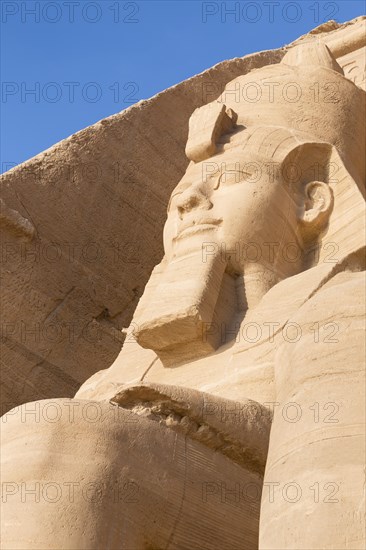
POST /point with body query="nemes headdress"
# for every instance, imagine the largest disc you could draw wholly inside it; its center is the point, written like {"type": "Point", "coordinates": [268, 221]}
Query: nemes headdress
{"type": "Point", "coordinates": [302, 110]}
{"type": "Point", "coordinates": [304, 104]}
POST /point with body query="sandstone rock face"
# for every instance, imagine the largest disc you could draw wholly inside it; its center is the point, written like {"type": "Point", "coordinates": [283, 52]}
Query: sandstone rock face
{"type": "Point", "coordinates": [234, 415]}
{"type": "Point", "coordinates": [81, 226]}
{"type": "Point", "coordinates": [81, 232]}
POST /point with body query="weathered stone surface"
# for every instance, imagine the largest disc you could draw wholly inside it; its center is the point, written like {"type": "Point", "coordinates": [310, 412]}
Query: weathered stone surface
{"type": "Point", "coordinates": [92, 209]}
{"type": "Point", "coordinates": [97, 201]}
{"type": "Point", "coordinates": [227, 439]}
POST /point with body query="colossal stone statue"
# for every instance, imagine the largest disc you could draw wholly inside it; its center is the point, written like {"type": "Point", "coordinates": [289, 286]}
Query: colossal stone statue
{"type": "Point", "coordinates": [234, 415]}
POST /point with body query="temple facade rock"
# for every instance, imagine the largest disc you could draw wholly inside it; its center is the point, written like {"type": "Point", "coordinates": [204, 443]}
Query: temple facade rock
{"type": "Point", "coordinates": [212, 334]}
{"type": "Point", "coordinates": [72, 276]}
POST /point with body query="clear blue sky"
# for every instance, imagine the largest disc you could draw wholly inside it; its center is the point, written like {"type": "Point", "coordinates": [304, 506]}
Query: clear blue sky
{"type": "Point", "coordinates": [86, 60]}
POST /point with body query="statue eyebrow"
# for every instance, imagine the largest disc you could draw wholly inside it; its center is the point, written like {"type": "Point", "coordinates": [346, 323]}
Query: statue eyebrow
{"type": "Point", "coordinates": [235, 170]}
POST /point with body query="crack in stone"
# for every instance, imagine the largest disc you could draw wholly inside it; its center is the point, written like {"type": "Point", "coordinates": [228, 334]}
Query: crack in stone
{"type": "Point", "coordinates": [176, 416]}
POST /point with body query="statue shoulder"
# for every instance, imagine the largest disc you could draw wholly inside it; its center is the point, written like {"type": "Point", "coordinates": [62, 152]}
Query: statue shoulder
{"type": "Point", "coordinates": [324, 339]}
{"type": "Point", "coordinates": [344, 292]}
{"type": "Point", "coordinates": [334, 313]}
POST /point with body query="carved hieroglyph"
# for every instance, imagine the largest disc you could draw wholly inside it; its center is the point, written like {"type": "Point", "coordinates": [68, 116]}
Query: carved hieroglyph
{"type": "Point", "coordinates": [233, 416]}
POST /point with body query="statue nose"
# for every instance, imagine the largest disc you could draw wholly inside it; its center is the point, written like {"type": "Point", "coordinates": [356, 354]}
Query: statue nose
{"type": "Point", "coordinates": [191, 199]}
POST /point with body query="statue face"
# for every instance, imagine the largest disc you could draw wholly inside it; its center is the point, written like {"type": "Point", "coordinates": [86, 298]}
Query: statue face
{"type": "Point", "coordinates": [231, 204]}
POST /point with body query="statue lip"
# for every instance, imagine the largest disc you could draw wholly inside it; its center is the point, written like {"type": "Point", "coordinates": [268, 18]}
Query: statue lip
{"type": "Point", "coordinates": [196, 226]}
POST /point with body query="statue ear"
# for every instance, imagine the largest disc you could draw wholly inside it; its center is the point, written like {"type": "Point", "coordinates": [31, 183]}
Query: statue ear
{"type": "Point", "coordinates": [316, 209]}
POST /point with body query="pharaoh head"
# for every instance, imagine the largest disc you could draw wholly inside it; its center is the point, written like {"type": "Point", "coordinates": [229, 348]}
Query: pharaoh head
{"type": "Point", "coordinates": [276, 164]}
